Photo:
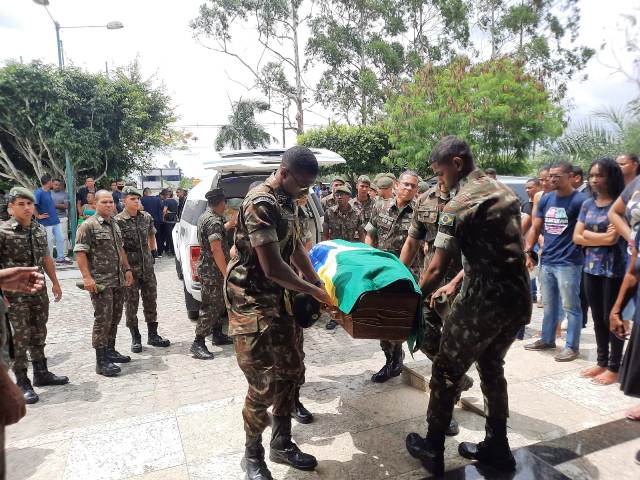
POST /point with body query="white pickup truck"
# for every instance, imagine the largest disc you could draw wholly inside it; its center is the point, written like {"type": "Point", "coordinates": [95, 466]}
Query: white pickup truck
{"type": "Point", "coordinates": [234, 172]}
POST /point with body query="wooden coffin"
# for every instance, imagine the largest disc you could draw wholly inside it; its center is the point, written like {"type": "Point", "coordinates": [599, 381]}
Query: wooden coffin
{"type": "Point", "coordinates": [386, 314]}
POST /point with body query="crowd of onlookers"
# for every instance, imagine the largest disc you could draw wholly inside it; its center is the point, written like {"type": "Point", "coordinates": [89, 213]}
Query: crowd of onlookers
{"type": "Point", "coordinates": [53, 211]}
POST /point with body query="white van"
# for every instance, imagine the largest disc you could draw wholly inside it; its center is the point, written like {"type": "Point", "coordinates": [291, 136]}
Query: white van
{"type": "Point", "coordinates": [234, 172]}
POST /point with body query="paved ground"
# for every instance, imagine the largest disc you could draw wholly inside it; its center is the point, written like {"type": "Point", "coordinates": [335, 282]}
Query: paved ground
{"type": "Point", "coordinates": [171, 417]}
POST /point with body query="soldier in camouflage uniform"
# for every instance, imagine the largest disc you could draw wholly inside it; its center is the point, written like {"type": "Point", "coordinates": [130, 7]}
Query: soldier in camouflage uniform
{"type": "Point", "coordinates": [212, 268]}
{"type": "Point", "coordinates": [483, 222]}
{"type": "Point", "coordinates": [139, 240]}
{"type": "Point", "coordinates": [105, 272]}
{"type": "Point", "coordinates": [330, 200]}
{"type": "Point", "coordinates": [260, 285]}
{"type": "Point", "coordinates": [362, 203]}
{"type": "Point", "coordinates": [387, 229]}
{"type": "Point", "coordinates": [385, 188]}
{"type": "Point", "coordinates": [424, 226]}
{"type": "Point", "coordinates": [23, 243]}
{"type": "Point", "coordinates": [4, 207]}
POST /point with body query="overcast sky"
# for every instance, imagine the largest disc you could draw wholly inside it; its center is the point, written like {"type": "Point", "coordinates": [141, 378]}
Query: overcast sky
{"type": "Point", "coordinates": [199, 80]}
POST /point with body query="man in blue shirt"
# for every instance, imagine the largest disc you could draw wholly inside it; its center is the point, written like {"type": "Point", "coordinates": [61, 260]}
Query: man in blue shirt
{"type": "Point", "coordinates": [154, 206]}
{"type": "Point", "coordinates": [47, 216]}
{"type": "Point", "coordinates": [561, 261]}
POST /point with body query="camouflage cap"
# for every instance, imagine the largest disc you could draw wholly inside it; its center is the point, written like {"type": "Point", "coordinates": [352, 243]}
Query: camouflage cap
{"type": "Point", "coordinates": [373, 187]}
{"type": "Point", "coordinates": [385, 182]}
{"type": "Point", "coordinates": [364, 179]}
{"type": "Point", "coordinates": [344, 189]}
{"type": "Point", "coordinates": [423, 187]}
{"type": "Point", "coordinates": [338, 178]}
{"type": "Point", "coordinates": [21, 192]}
{"type": "Point", "coordinates": [129, 190]}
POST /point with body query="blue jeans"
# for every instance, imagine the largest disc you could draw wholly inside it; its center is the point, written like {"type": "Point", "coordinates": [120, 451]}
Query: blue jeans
{"type": "Point", "coordinates": [54, 234]}
{"type": "Point", "coordinates": [561, 292]}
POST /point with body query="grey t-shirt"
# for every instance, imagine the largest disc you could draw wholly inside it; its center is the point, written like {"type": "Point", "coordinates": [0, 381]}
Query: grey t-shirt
{"type": "Point", "coordinates": [60, 197]}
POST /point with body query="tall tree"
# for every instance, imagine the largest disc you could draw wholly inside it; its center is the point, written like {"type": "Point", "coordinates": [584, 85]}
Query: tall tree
{"type": "Point", "coordinates": [109, 126]}
{"type": "Point", "coordinates": [369, 46]}
{"type": "Point", "coordinates": [242, 129]}
{"type": "Point", "coordinates": [277, 68]}
{"type": "Point", "coordinates": [497, 107]}
{"type": "Point", "coordinates": [540, 33]}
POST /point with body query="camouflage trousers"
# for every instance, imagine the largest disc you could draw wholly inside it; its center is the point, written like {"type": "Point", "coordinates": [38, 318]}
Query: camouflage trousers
{"type": "Point", "coordinates": [28, 316]}
{"type": "Point", "coordinates": [479, 329]}
{"type": "Point", "coordinates": [273, 367]}
{"type": "Point", "coordinates": [211, 309]}
{"type": "Point", "coordinates": [299, 346]}
{"type": "Point", "coordinates": [144, 286]}
{"type": "Point", "coordinates": [107, 308]}
{"type": "Point", "coordinates": [391, 348]}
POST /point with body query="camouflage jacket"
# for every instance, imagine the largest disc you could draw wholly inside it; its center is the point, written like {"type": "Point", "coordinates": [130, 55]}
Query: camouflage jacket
{"type": "Point", "coordinates": [390, 225]}
{"type": "Point", "coordinates": [364, 210]}
{"type": "Point", "coordinates": [135, 238]}
{"type": "Point", "coordinates": [101, 240]}
{"type": "Point", "coordinates": [210, 228]}
{"type": "Point", "coordinates": [328, 202]}
{"type": "Point", "coordinates": [306, 225]}
{"type": "Point", "coordinates": [4, 354]}
{"type": "Point", "coordinates": [4, 208]}
{"type": "Point", "coordinates": [268, 215]}
{"type": "Point", "coordinates": [482, 220]}
{"type": "Point", "coordinates": [342, 225]}
{"type": "Point", "coordinates": [424, 226]}
{"type": "Point", "coordinates": [23, 247]}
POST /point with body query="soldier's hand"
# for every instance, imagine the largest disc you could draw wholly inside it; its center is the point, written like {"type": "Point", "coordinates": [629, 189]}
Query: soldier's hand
{"type": "Point", "coordinates": [449, 289]}
{"type": "Point", "coordinates": [90, 285]}
{"type": "Point", "coordinates": [322, 296]}
{"type": "Point", "coordinates": [128, 278]}
{"type": "Point", "coordinates": [57, 292]}
{"type": "Point", "coordinates": [12, 406]}
{"type": "Point", "coordinates": [21, 279]}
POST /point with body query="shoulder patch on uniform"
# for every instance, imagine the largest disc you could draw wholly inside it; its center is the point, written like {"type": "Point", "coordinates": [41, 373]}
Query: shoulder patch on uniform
{"type": "Point", "coordinates": [446, 219]}
{"type": "Point", "coordinates": [264, 199]}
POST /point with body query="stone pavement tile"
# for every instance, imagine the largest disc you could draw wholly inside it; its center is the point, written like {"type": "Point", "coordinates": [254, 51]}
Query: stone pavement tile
{"type": "Point", "coordinates": [614, 463]}
{"type": "Point", "coordinates": [579, 390]}
{"type": "Point", "coordinates": [121, 453]}
{"type": "Point", "coordinates": [175, 473]}
{"type": "Point", "coordinates": [522, 365]}
{"type": "Point", "coordinates": [388, 407]}
{"type": "Point", "coordinates": [42, 462]}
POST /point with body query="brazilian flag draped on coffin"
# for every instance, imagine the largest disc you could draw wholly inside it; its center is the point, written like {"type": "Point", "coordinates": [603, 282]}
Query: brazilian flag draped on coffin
{"type": "Point", "coordinates": [376, 294]}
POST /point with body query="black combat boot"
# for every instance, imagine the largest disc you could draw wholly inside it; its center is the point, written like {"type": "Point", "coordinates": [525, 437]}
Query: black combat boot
{"type": "Point", "coordinates": [453, 429]}
{"type": "Point", "coordinates": [494, 450]}
{"type": "Point", "coordinates": [23, 382]}
{"type": "Point", "coordinates": [253, 461]}
{"type": "Point", "coordinates": [199, 349]}
{"type": "Point", "coordinates": [284, 451]}
{"type": "Point", "coordinates": [396, 362]}
{"type": "Point", "coordinates": [300, 413]}
{"type": "Point", "coordinates": [429, 450]}
{"type": "Point", "coordinates": [136, 340]}
{"type": "Point", "coordinates": [219, 338]}
{"type": "Point", "coordinates": [383, 374]}
{"type": "Point", "coordinates": [115, 356]}
{"type": "Point", "coordinates": [154, 339]}
{"type": "Point", "coordinates": [104, 365]}
{"type": "Point", "coordinates": [43, 377]}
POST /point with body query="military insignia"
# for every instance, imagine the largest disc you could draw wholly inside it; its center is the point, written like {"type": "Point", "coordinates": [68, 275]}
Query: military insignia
{"type": "Point", "coordinates": [446, 219]}
{"type": "Point", "coordinates": [264, 199]}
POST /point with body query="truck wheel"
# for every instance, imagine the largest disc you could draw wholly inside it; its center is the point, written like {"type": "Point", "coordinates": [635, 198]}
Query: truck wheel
{"type": "Point", "coordinates": [193, 314]}
{"type": "Point", "coordinates": [179, 270]}
{"type": "Point", "coordinates": [193, 305]}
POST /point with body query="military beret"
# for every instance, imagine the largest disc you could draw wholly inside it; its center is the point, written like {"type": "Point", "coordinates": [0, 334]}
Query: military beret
{"type": "Point", "coordinates": [22, 192]}
{"type": "Point", "coordinates": [215, 193]}
{"type": "Point", "coordinates": [423, 187]}
{"type": "Point", "coordinates": [385, 182]}
{"type": "Point", "coordinates": [344, 188]}
{"type": "Point", "coordinates": [306, 309]}
{"type": "Point", "coordinates": [364, 179]}
{"type": "Point", "coordinates": [129, 190]}
{"type": "Point", "coordinates": [338, 178]}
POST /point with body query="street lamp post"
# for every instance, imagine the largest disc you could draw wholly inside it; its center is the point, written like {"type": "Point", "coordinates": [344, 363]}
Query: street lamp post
{"type": "Point", "coordinates": [71, 188]}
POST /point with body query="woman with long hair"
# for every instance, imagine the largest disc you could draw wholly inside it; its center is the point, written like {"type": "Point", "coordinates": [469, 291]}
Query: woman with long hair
{"type": "Point", "coordinates": [604, 265]}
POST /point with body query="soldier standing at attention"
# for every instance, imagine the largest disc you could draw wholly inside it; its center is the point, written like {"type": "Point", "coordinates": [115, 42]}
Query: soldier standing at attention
{"type": "Point", "coordinates": [330, 200]}
{"type": "Point", "coordinates": [424, 226]}
{"type": "Point", "coordinates": [139, 240]}
{"type": "Point", "coordinates": [363, 203]}
{"type": "Point", "coordinates": [387, 229]}
{"type": "Point", "coordinates": [259, 291]}
{"type": "Point", "coordinates": [483, 222]}
{"type": "Point", "coordinates": [105, 271]}
{"type": "Point", "coordinates": [23, 243]}
{"type": "Point", "coordinates": [385, 188]}
{"type": "Point", "coordinates": [212, 270]}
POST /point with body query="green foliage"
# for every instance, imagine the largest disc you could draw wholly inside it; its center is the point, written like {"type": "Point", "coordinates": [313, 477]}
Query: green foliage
{"type": "Point", "coordinates": [109, 126]}
{"type": "Point", "coordinates": [242, 129]}
{"type": "Point", "coordinates": [363, 147]}
{"type": "Point", "coordinates": [498, 108]}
